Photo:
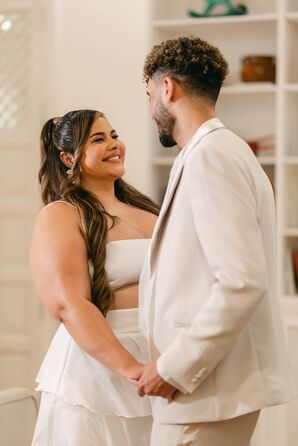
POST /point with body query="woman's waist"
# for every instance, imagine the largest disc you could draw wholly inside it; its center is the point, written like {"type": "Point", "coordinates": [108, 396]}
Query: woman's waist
{"type": "Point", "coordinates": [126, 297]}
{"type": "Point", "coordinates": [64, 352]}
{"type": "Point", "coordinates": [123, 320]}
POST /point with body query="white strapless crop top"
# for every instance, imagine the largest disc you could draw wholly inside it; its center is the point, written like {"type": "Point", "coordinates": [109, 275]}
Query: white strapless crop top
{"type": "Point", "coordinates": [124, 261]}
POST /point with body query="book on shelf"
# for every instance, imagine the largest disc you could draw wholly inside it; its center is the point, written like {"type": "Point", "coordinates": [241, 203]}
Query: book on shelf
{"type": "Point", "coordinates": [295, 267]}
{"type": "Point", "coordinates": [289, 279]}
{"type": "Point", "coordinates": [270, 172]}
{"type": "Point", "coordinates": [262, 146]}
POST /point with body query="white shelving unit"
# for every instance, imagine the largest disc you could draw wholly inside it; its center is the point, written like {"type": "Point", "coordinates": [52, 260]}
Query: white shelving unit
{"type": "Point", "coordinates": [254, 110]}
{"type": "Point", "coordinates": [187, 25]}
{"type": "Point", "coordinates": [249, 88]}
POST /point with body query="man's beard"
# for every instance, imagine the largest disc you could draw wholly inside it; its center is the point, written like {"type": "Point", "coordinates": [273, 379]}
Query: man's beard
{"type": "Point", "coordinates": [165, 124]}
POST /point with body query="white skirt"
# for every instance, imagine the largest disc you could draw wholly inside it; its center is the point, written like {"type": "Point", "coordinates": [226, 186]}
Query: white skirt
{"type": "Point", "coordinates": [64, 424]}
{"type": "Point", "coordinates": [85, 404]}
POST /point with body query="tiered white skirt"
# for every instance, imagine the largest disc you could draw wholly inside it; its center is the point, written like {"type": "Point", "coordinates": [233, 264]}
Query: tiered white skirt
{"type": "Point", "coordinates": [83, 403]}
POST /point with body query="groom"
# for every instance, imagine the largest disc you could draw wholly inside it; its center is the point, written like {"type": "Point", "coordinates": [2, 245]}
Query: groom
{"type": "Point", "coordinates": [208, 287]}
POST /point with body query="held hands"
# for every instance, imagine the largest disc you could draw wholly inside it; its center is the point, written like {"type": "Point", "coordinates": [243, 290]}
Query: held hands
{"type": "Point", "coordinates": [133, 371]}
{"type": "Point", "coordinates": [150, 383]}
{"type": "Point", "coordinates": [148, 380]}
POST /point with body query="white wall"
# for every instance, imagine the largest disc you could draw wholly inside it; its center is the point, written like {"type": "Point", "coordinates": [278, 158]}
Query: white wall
{"type": "Point", "coordinates": [93, 53]}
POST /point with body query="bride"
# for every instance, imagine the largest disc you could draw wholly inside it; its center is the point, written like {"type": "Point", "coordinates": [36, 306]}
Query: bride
{"type": "Point", "coordinates": [88, 248]}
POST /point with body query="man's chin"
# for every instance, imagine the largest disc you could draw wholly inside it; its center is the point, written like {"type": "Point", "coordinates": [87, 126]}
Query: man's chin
{"type": "Point", "coordinates": [167, 141]}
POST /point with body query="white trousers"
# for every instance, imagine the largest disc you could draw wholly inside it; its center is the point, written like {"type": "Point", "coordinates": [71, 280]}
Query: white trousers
{"type": "Point", "coordinates": [234, 432]}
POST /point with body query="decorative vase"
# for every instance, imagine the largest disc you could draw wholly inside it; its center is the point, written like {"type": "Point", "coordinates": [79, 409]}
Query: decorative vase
{"type": "Point", "coordinates": [258, 69]}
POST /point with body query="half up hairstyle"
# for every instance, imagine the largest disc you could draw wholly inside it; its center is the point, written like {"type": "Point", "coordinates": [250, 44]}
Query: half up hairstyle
{"type": "Point", "coordinates": [58, 182]}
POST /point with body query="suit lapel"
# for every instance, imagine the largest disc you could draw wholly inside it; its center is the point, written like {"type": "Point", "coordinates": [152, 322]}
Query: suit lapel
{"type": "Point", "coordinates": [175, 176]}
{"type": "Point", "coordinates": [173, 183]}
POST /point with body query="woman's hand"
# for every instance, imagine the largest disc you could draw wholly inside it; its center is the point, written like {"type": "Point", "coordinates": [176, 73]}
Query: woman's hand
{"type": "Point", "coordinates": [134, 371]}
{"type": "Point", "coordinates": [151, 383]}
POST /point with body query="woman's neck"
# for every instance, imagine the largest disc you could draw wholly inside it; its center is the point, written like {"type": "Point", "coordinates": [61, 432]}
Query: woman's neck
{"type": "Point", "coordinates": [104, 191]}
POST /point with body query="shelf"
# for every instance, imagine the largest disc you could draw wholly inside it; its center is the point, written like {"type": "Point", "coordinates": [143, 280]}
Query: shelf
{"type": "Point", "coordinates": [249, 88]}
{"type": "Point", "coordinates": [190, 24]}
{"type": "Point", "coordinates": [256, 88]}
{"type": "Point", "coordinates": [289, 303]}
{"type": "Point", "coordinates": [266, 160]}
{"type": "Point", "coordinates": [291, 88]}
{"type": "Point", "coordinates": [291, 160]}
{"type": "Point", "coordinates": [290, 232]}
{"type": "Point", "coordinates": [292, 17]}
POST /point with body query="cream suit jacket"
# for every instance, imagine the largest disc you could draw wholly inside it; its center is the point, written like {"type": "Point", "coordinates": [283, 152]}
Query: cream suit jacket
{"type": "Point", "coordinates": [208, 294]}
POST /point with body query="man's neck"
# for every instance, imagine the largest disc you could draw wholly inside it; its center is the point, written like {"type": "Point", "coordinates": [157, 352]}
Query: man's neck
{"type": "Point", "coordinates": [188, 119]}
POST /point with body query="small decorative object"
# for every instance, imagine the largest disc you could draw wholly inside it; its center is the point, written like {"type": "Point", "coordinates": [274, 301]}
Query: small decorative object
{"type": "Point", "coordinates": [263, 146]}
{"type": "Point", "coordinates": [258, 69]}
{"type": "Point", "coordinates": [225, 6]}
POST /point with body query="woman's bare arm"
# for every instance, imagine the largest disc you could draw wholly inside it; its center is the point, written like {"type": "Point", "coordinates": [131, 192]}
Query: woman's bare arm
{"type": "Point", "coordinates": [59, 264]}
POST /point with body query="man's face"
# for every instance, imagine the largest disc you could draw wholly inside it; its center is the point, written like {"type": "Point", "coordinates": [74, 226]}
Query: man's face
{"type": "Point", "coordinates": [164, 120]}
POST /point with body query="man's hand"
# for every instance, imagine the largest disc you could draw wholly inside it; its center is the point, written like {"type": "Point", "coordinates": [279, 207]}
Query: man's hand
{"type": "Point", "coordinates": [150, 383]}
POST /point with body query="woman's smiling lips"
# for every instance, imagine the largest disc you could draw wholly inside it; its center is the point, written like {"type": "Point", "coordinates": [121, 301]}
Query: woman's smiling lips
{"type": "Point", "coordinates": [112, 158]}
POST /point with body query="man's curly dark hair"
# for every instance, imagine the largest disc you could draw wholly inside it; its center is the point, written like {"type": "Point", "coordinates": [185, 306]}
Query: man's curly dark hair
{"type": "Point", "coordinates": [197, 66]}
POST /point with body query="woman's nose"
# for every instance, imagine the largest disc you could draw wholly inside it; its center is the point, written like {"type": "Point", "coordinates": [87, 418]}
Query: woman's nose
{"type": "Point", "coordinates": [113, 144]}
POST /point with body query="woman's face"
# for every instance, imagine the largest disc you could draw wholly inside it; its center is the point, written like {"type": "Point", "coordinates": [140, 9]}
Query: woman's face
{"type": "Point", "coordinates": [103, 154]}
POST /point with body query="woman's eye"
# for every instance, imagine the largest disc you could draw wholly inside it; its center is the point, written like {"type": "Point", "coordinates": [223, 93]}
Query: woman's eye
{"type": "Point", "coordinates": [102, 139]}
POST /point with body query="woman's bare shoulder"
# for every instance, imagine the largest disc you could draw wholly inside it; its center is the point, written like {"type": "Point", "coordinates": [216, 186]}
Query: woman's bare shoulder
{"type": "Point", "coordinates": [57, 227]}
{"type": "Point", "coordinates": [57, 207]}
{"type": "Point", "coordinates": [58, 212]}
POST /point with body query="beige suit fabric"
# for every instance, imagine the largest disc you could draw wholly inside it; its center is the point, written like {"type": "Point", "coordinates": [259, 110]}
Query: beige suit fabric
{"type": "Point", "coordinates": [208, 292]}
{"type": "Point", "coordinates": [235, 432]}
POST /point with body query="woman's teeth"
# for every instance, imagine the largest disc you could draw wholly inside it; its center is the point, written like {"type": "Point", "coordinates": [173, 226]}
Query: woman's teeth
{"type": "Point", "coordinates": [113, 158]}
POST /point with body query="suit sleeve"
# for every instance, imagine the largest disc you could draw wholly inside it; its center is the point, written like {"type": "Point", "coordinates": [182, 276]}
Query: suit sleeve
{"type": "Point", "coordinates": [227, 223]}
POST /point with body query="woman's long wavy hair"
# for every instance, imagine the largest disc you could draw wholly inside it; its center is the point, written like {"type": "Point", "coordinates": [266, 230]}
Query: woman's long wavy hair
{"type": "Point", "coordinates": [69, 134]}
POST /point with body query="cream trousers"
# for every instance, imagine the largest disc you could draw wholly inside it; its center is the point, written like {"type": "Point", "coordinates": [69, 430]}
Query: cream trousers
{"type": "Point", "coordinates": [234, 432]}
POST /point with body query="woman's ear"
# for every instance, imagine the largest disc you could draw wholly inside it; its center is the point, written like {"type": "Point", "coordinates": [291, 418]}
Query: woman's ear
{"type": "Point", "coordinates": [67, 159]}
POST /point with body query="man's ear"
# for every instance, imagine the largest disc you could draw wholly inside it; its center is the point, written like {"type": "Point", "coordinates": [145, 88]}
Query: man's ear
{"type": "Point", "coordinates": [168, 89]}
{"type": "Point", "coordinates": [67, 159]}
